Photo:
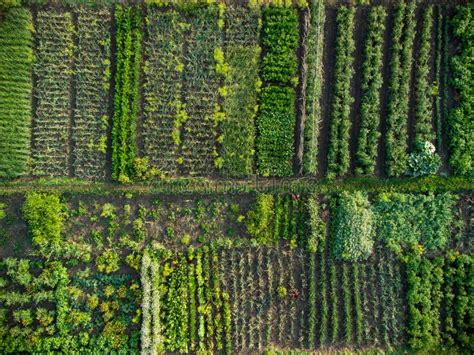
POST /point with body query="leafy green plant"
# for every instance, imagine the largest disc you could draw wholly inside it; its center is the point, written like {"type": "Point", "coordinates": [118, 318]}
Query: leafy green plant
{"type": "Point", "coordinates": [423, 161]}
{"type": "Point", "coordinates": [259, 219]}
{"type": "Point", "coordinates": [108, 261]}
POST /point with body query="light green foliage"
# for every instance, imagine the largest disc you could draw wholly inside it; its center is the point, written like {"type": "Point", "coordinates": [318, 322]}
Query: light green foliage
{"type": "Point", "coordinates": [354, 226]}
{"type": "Point", "coordinates": [404, 220]}
{"type": "Point", "coordinates": [16, 58]}
{"type": "Point", "coordinates": [44, 214]}
{"type": "Point", "coordinates": [3, 214]}
{"type": "Point", "coordinates": [317, 227]}
{"type": "Point", "coordinates": [108, 261]}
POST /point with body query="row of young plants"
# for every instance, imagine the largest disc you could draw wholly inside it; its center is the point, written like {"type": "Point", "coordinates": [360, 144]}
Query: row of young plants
{"type": "Point", "coordinates": [53, 69]}
{"type": "Point", "coordinates": [460, 123]}
{"type": "Point", "coordinates": [164, 111]}
{"type": "Point", "coordinates": [342, 100]}
{"type": "Point", "coordinates": [92, 83]}
{"type": "Point", "coordinates": [128, 21]}
{"type": "Point", "coordinates": [16, 57]}
{"type": "Point", "coordinates": [183, 306]}
{"type": "Point", "coordinates": [369, 134]}
{"type": "Point", "coordinates": [277, 117]}
{"type": "Point", "coordinates": [396, 140]}
{"type": "Point", "coordinates": [314, 85]}
{"type": "Point", "coordinates": [242, 84]}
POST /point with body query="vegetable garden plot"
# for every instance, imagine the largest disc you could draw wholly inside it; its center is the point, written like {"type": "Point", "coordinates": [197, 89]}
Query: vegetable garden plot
{"type": "Point", "coordinates": [16, 57]}
{"type": "Point", "coordinates": [201, 90]}
{"type": "Point", "coordinates": [92, 65]}
{"type": "Point", "coordinates": [53, 70]}
{"type": "Point", "coordinates": [164, 110]}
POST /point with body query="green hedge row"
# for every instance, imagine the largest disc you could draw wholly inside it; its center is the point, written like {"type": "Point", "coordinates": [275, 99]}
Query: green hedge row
{"type": "Point", "coordinates": [338, 155]}
{"type": "Point", "coordinates": [403, 34]}
{"type": "Point", "coordinates": [277, 116]}
{"type": "Point", "coordinates": [127, 78]}
{"type": "Point", "coordinates": [460, 120]}
{"type": "Point", "coordinates": [367, 140]}
{"type": "Point", "coordinates": [16, 57]}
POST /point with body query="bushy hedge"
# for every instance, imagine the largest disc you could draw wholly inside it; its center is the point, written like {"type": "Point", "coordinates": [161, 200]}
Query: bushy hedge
{"type": "Point", "coordinates": [354, 226]}
{"type": "Point", "coordinates": [460, 120]}
{"type": "Point", "coordinates": [277, 116]}
{"type": "Point", "coordinates": [367, 140]}
{"type": "Point", "coordinates": [44, 214]}
{"type": "Point", "coordinates": [127, 79]}
{"type": "Point", "coordinates": [16, 57]}
{"type": "Point", "coordinates": [338, 155]}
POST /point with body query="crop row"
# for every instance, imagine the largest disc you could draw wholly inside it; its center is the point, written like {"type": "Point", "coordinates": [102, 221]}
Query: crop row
{"type": "Point", "coordinates": [339, 130]}
{"type": "Point", "coordinates": [367, 140]}
{"type": "Point", "coordinates": [403, 34]}
{"type": "Point", "coordinates": [127, 78]}
{"type": "Point", "coordinates": [53, 71]}
{"type": "Point", "coordinates": [242, 84]}
{"type": "Point", "coordinates": [92, 69]}
{"type": "Point", "coordinates": [277, 117]}
{"type": "Point", "coordinates": [16, 57]}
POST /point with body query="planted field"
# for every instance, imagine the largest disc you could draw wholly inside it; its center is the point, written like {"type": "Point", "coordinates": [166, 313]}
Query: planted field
{"type": "Point", "coordinates": [238, 177]}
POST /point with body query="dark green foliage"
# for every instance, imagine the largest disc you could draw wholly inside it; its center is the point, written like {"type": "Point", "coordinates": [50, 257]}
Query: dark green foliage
{"type": "Point", "coordinates": [16, 58]}
{"type": "Point", "coordinates": [44, 214]}
{"type": "Point", "coordinates": [404, 220]}
{"type": "Point", "coordinates": [460, 122]}
{"type": "Point", "coordinates": [339, 130]}
{"type": "Point", "coordinates": [277, 116]}
{"type": "Point", "coordinates": [396, 142]}
{"type": "Point", "coordinates": [424, 102]}
{"type": "Point", "coordinates": [275, 126]}
{"type": "Point", "coordinates": [367, 141]}
{"type": "Point", "coordinates": [127, 78]}
{"type": "Point", "coordinates": [354, 227]}
{"type": "Point", "coordinates": [315, 46]}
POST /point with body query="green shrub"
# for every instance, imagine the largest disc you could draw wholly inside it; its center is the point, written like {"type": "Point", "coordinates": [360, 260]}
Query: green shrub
{"type": "Point", "coordinates": [354, 226]}
{"type": "Point", "coordinates": [108, 261]}
{"type": "Point", "coordinates": [44, 214]}
{"type": "Point", "coordinates": [423, 161]}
